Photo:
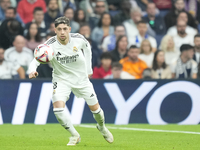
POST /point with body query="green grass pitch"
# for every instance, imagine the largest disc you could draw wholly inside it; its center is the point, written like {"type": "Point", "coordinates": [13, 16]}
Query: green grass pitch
{"type": "Point", "coordinates": [54, 137]}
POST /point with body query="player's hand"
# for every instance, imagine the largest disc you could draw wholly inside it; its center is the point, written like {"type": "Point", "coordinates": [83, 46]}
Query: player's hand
{"type": "Point", "coordinates": [33, 74]}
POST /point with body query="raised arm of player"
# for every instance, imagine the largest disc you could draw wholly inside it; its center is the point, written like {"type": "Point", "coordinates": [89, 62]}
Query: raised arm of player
{"type": "Point", "coordinates": [32, 69]}
{"type": "Point", "coordinates": [88, 57]}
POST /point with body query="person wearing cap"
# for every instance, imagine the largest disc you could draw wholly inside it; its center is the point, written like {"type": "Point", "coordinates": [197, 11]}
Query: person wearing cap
{"type": "Point", "coordinates": [185, 66]}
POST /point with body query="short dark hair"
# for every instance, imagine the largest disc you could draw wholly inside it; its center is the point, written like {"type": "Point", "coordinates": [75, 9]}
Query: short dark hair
{"type": "Point", "coordinates": [117, 65]}
{"type": "Point", "coordinates": [62, 20]}
{"type": "Point", "coordinates": [141, 22]}
{"type": "Point", "coordinates": [66, 8]}
{"type": "Point", "coordinates": [13, 8]}
{"type": "Point", "coordinates": [186, 47]}
{"type": "Point", "coordinates": [133, 46]}
{"type": "Point", "coordinates": [197, 36]}
{"type": "Point", "coordinates": [106, 55]}
{"type": "Point", "coordinates": [14, 26]}
{"type": "Point", "coordinates": [37, 9]}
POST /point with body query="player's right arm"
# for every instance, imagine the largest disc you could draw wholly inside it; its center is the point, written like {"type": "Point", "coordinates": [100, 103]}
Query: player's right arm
{"type": "Point", "coordinates": [32, 69]}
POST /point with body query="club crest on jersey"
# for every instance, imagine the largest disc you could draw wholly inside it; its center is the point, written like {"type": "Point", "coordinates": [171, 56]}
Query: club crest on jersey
{"type": "Point", "coordinates": [75, 49]}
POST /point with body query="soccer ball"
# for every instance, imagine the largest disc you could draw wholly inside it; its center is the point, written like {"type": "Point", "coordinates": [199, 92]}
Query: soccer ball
{"type": "Point", "coordinates": [43, 53]}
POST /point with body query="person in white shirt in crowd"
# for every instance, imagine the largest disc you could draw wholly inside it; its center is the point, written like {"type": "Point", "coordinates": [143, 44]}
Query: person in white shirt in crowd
{"type": "Point", "coordinates": [7, 68]}
{"type": "Point", "coordinates": [185, 66]}
{"type": "Point", "coordinates": [146, 52]}
{"type": "Point", "coordinates": [131, 24]}
{"type": "Point", "coordinates": [110, 41]}
{"type": "Point", "coordinates": [118, 73]}
{"type": "Point", "coordinates": [168, 46]}
{"type": "Point", "coordinates": [189, 30]}
{"type": "Point", "coordinates": [137, 40]}
{"type": "Point", "coordinates": [160, 70]}
{"type": "Point", "coordinates": [182, 37]}
{"type": "Point", "coordinates": [197, 48]}
{"type": "Point", "coordinates": [19, 53]}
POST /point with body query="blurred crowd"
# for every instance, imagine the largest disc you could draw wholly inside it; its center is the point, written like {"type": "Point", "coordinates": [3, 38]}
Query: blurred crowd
{"type": "Point", "coordinates": [130, 39]}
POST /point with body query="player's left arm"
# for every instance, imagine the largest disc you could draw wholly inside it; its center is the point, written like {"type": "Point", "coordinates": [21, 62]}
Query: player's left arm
{"type": "Point", "coordinates": [88, 57]}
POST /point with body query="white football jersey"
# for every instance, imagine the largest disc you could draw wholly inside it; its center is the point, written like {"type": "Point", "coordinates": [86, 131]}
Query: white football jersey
{"type": "Point", "coordinates": [71, 62]}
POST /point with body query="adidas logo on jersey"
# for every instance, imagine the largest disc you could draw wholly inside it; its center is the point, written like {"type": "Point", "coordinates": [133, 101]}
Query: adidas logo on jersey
{"type": "Point", "coordinates": [92, 95]}
{"type": "Point", "coordinates": [58, 54]}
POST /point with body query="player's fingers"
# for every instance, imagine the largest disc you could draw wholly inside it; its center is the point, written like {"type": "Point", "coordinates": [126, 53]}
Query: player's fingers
{"type": "Point", "coordinates": [36, 74]}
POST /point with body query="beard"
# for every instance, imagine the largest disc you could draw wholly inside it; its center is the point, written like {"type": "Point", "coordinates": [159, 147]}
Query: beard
{"type": "Point", "coordinates": [181, 32]}
{"type": "Point", "coordinates": [53, 10]}
{"type": "Point", "coordinates": [197, 47]}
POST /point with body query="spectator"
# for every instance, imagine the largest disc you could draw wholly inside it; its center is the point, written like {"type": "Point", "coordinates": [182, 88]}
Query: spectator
{"type": "Point", "coordinates": [80, 17]}
{"type": "Point", "coordinates": [168, 46]}
{"type": "Point", "coordinates": [132, 64]}
{"type": "Point", "coordinates": [163, 6]}
{"type": "Point", "coordinates": [51, 27]}
{"type": "Point", "coordinates": [182, 37]}
{"type": "Point", "coordinates": [49, 35]}
{"type": "Point", "coordinates": [114, 6]}
{"type": "Point", "coordinates": [146, 53]}
{"type": "Point", "coordinates": [65, 4]}
{"type": "Point", "coordinates": [110, 41]}
{"type": "Point", "coordinates": [124, 13]}
{"type": "Point", "coordinates": [189, 30]}
{"type": "Point", "coordinates": [105, 68]}
{"type": "Point", "coordinates": [94, 18]}
{"type": "Point", "coordinates": [197, 48]}
{"type": "Point", "coordinates": [96, 52]}
{"type": "Point", "coordinates": [25, 9]}
{"type": "Point", "coordinates": [52, 12]}
{"type": "Point", "coordinates": [185, 66]}
{"type": "Point", "coordinates": [33, 38]}
{"type": "Point", "coordinates": [146, 74]}
{"type": "Point", "coordinates": [118, 73]}
{"type": "Point", "coordinates": [4, 4]}
{"type": "Point", "coordinates": [156, 22]}
{"type": "Point", "coordinates": [7, 68]}
{"type": "Point", "coordinates": [160, 70]}
{"type": "Point", "coordinates": [38, 16]}
{"type": "Point", "coordinates": [103, 29]}
{"type": "Point", "coordinates": [131, 24]}
{"type": "Point", "coordinates": [8, 30]}
{"type": "Point", "coordinates": [19, 53]}
{"type": "Point", "coordinates": [120, 50]}
{"type": "Point", "coordinates": [89, 7]}
{"type": "Point", "coordinates": [69, 13]}
{"type": "Point", "coordinates": [142, 29]}
{"type": "Point", "coordinates": [170, 18]}
{"type": "Point", "coordinates": [11, 12]}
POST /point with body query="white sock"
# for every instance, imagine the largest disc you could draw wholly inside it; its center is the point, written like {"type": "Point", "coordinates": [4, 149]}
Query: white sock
{"type": "Point", "coordinates": [99, 116]}
{"type": "Point", "coordinates": [64, 119]}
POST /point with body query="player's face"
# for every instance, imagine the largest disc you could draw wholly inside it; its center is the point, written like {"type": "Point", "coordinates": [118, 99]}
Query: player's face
{"type": "Point", "coordinates": [62, 31]}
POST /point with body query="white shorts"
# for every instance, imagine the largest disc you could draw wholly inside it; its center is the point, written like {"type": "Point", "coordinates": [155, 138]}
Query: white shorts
{"type": "Point", "coordinates": [62, 90]}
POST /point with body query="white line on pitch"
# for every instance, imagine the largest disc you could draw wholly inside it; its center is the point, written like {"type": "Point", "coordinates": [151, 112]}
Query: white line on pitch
{"type": "Point", "coordinates": [139, 129]}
